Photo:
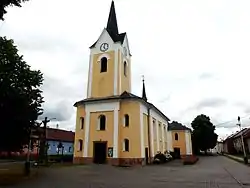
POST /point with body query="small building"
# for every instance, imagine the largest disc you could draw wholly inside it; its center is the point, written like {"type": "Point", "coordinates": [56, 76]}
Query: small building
{"type": "Point", "coordinates": [228, 145]}
{"type": "Point", "coordinates": [237, 140]}
{"type": "Point", "coordinates": [181, 139]}
{"type": "Point", "coordinates": [53, 138]}
{"type": "Point", "coordinates": [218, 147]}
{"type": "Point", "coordinates": [56, 136]}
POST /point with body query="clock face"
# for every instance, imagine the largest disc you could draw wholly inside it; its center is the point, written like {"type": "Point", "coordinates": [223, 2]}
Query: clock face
{"type": "Point", "coordinates": [125, 51]}
{"type": "Point", "coordinates": [104, 47]}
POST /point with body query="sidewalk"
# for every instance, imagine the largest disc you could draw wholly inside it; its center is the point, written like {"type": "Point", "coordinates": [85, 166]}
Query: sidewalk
{"type": "Point", "coordinates": [239, 159]}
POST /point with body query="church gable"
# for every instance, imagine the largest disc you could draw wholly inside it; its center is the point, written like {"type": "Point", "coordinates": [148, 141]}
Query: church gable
{"type": "Point", "coordinates": [125, 46]}
{"type": "Point", "coordinates": [103, 38]}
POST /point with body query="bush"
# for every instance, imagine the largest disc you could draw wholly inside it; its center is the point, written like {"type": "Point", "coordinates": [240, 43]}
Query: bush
{"type": "Point", "coordinates": [160, 158]}
{"type": "Point", "coordinates": [189, 160]}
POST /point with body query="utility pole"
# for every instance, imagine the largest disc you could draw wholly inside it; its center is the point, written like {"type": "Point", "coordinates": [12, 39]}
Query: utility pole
{"type": "Point", "coordinates": [242, 142]}
{"type": "Point", "coordinates": [27, 162]}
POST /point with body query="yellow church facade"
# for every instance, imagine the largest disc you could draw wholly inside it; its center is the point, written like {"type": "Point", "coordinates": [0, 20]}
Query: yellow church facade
{"type": "Point", "coordinates": [113, 125]}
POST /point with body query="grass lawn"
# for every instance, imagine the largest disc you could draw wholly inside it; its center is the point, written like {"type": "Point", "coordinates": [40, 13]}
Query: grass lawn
{"type": "Point", "coordinates": [12, 173]}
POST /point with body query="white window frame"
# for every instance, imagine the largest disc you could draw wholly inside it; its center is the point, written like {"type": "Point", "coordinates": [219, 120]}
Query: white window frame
{"type": "Point", "coordinates": [82, 126]}
{"type": "Point", "coordinates": [124, 145]}
{"type": "Point", "coordinates": [98, 122]}
{"type": "Point", "coordinates": [124, 120]}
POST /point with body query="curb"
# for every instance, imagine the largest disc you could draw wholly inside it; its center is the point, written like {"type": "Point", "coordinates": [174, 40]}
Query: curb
{"type": "Point", "coordinates": [235, 159]}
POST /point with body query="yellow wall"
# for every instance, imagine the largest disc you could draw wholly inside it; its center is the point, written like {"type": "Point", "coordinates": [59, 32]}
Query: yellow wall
{"type": "Point", "coordinates": [97, 135]}
{"type": "Point", "coordinates": [79, 133]}
{"type": "Point", "coordinates": [102, 83]}
{"type": "Point", "coordinates": [181, 142]}
{"type": "Point", "coordinates": [132, 108]}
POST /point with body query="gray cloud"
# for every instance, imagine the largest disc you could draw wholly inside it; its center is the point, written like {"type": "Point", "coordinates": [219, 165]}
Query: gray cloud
{"type": "Point", "coordinates": [45, 43]}
{"type": "Point", "coordinates": [210, 102]}
{"type": "Point", "coordinates": [247, 109]}
{"type": "Point", "coordinates": [59, 99]}
{"type": "Point", "coordinates": [62, 111]}
{"type": "Point", "coordinates": [206, 75]}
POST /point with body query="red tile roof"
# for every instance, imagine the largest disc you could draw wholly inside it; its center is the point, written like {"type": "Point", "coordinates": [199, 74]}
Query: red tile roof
{"type": "Point", "coordinates": [247, 133]}
{"type": "Point", "coordinates": [59, 134]}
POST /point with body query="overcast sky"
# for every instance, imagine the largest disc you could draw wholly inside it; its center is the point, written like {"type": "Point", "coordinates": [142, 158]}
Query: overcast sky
{"type": "Point", "coordinates": [194, 54]}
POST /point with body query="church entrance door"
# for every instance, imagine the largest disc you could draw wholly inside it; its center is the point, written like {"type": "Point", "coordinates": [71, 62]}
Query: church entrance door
{"type": "Point", "coordinates": [99, 152]}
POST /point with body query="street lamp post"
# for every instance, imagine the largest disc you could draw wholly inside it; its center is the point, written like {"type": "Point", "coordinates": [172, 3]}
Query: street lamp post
{"type": "Point", "coordinates": [242, 142]}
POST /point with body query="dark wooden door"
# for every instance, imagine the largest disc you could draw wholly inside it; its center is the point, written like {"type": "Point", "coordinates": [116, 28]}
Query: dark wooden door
{"type": "Point", "coordinates": [177, 153]}
{"type": "Point", "coordinates": [100, 152]}
{"type": "Point", "coordinates": [146, 155]}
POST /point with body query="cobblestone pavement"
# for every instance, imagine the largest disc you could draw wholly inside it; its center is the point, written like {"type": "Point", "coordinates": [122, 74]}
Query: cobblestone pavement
{"type": "Point", "coordinates": [212, 171]}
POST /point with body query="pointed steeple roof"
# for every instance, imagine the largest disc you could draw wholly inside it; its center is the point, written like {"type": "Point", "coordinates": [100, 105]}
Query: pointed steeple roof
{"type": "Point", "coordinates": [144, 96]}
{"type": "Point", "coordinates": [112, 26]}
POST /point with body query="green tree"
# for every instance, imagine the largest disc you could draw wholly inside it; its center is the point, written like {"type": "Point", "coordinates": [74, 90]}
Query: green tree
{"type": "Point", "coordinates": [20, 97]}
{"type": "Point", "coordinates": [203, 135]}
{"type": "Point", "coordinates": [5, 3]}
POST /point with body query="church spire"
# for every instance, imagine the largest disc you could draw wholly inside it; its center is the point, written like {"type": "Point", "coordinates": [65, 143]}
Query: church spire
{"type": "Point", "coordinates": [112, 27]}
{"type": "Point", "coordinates": [144, 96]}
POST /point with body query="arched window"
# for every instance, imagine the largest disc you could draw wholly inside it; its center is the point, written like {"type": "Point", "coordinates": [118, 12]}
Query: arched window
{"type": "Point", "coordinates": [154, 130]}
{"type": "Point", "coordinates": [125, 68]}
{"type": "Point", "coordinates": [126, 120]}
{"type": "Point", "coordinates": [104, 64]}
{"type": "Point", "coordinates": [102, 122]}
{"type": "Point", "coordinates": [80, 142]}
{"type": "Point", "coordinates": [81, 122]}
{"type": "Point", "coordinates": [176, 136]}
{"type": "Point", "coordinates": [126, 145]}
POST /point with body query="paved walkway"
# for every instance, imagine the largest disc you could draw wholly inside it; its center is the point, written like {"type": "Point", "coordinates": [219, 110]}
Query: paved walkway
{"type": "Point", "coordinates": [212, 171]}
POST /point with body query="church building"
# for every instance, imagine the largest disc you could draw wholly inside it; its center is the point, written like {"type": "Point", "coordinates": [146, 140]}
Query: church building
{"type": "Point", "coordinates": [113, 125]}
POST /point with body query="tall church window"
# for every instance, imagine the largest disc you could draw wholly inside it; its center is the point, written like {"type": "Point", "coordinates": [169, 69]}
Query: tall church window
{"type": "Point", "coordinates": [126, 120]}
{"type": "Point", "coordinates": [176, 136]}
{"type": "Point", "coordinates": [125, 68]}
{"type": "Point", "coordinates": [102, 123]}
{"type": "Point", "coordinates": [104, 64]}
{"type": "Point", "coordinates": [126, 145]}
{"type": "Point", "coordinates": [81, 122]}
{"type": "Point", "coordinates": [154, 130]}
{"type": "Point", "coordinates": [80, 143]}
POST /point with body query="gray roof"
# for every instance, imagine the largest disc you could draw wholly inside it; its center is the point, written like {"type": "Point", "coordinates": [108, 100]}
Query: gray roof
{"type": "Point", "coordinates": [177, 126]}
{"type": "Point", "coordinates": [124, 96]}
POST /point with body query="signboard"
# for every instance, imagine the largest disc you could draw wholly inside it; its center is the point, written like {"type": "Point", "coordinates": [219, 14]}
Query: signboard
{"type": "Point", "coordinates": [110, 152]}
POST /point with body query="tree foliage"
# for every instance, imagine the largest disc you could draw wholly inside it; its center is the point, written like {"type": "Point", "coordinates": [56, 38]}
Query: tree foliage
{"type": "Point", "coordinates": [203, 135]}
{"type": "Point", "coordinates": [5, 3]}
{"type": "Point", "coordinates": [20, 97]}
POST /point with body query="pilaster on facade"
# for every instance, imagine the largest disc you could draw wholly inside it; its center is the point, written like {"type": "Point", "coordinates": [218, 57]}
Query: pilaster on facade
{"type": "Point", "coordinates": [157, 137]}
{"type": "Point", "coordinates": [163, 137]}
{"type": "Point", "coordinates": [152, 135]}
{"type": "Point", "coordinates": [86, 136]}
{"type": "Point", "coordinates": [116, 133]}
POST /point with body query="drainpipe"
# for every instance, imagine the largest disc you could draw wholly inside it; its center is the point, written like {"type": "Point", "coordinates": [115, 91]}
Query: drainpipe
{"type": "Point", "coordinates": [149, 136]}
